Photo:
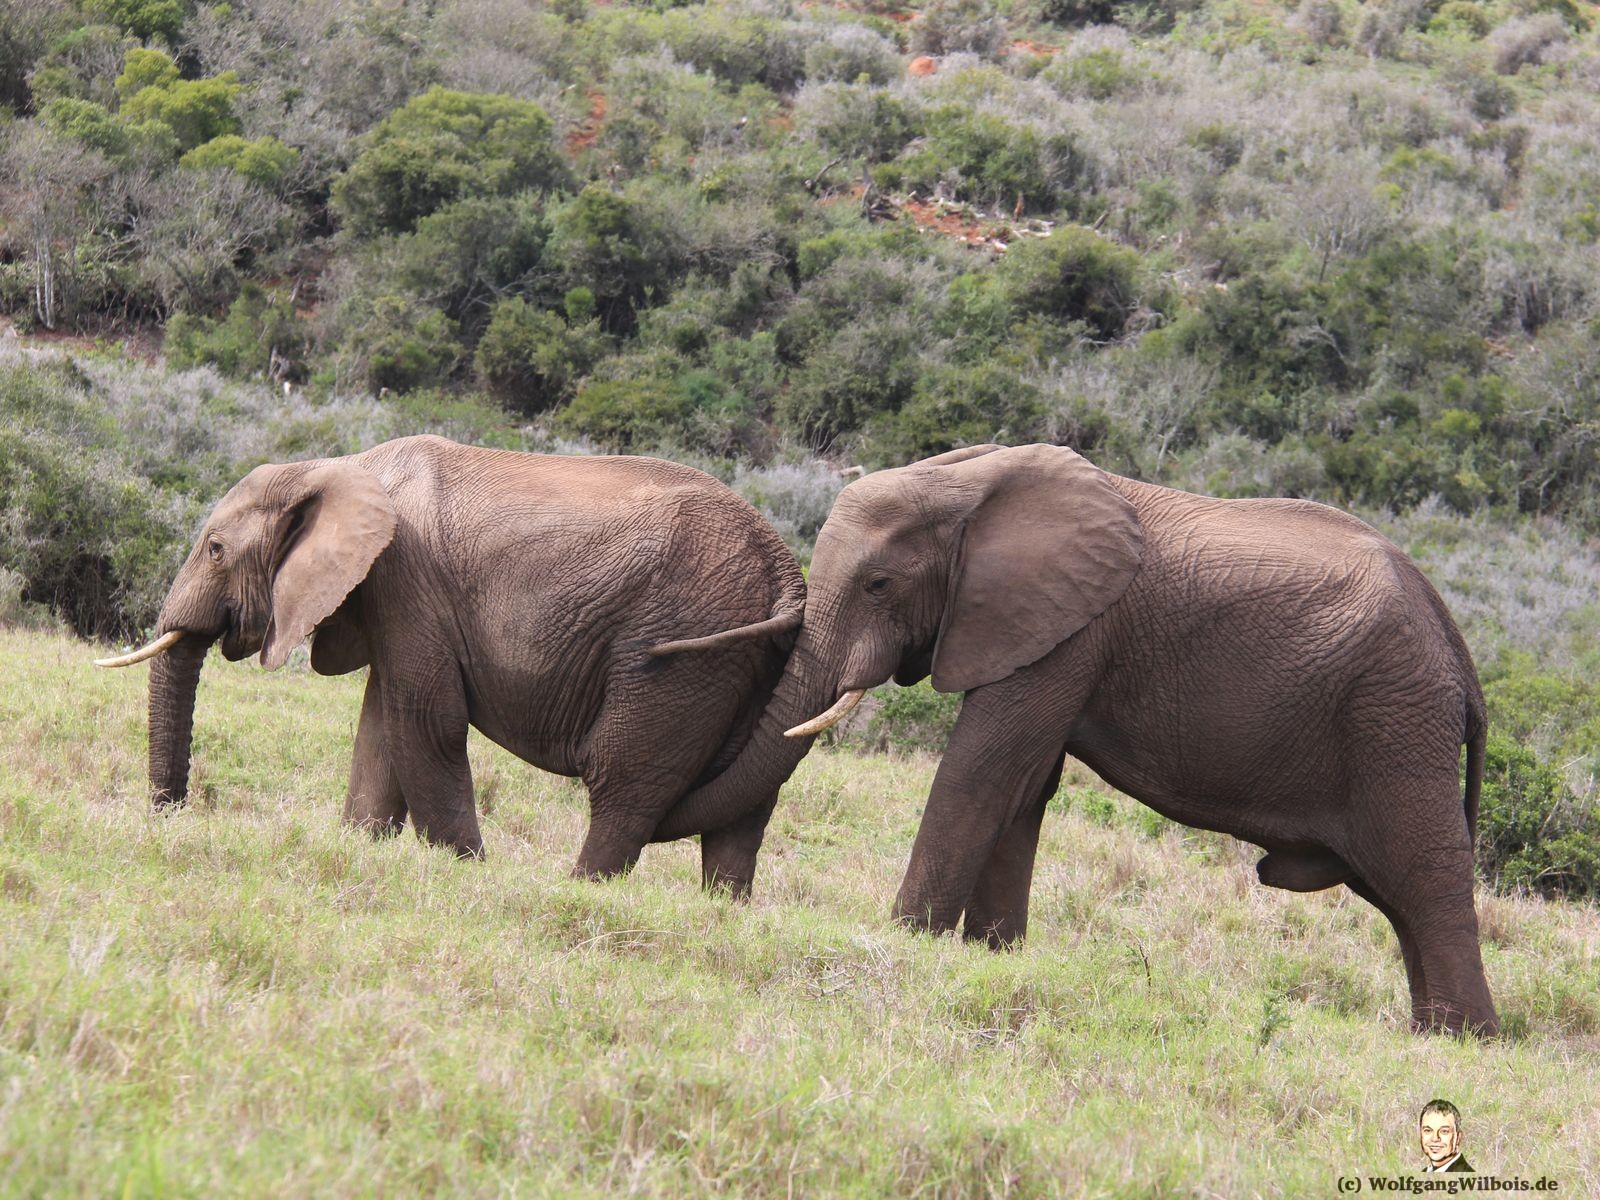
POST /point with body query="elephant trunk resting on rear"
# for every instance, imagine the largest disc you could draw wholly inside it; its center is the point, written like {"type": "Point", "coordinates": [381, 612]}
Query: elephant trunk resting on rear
{"type": "Point", "coordinates": [618, 619]}
{"type": "Point", "coordinates": [1274, 669]}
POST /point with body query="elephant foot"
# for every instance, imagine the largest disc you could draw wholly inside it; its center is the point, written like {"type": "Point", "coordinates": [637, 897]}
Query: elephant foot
{"type": "Point", "coordinates": [1438, 1016]}
{"type": "Point", "coordinates": [464, 845]}
{"type": "Point", "coordinates": [997, 934]}
{"type": "Point", "coordinates": [378, 828]}
{"type": "Point", "coordinates": [921, 919]}
{"type": "Point", "coordinates": [728, 855]}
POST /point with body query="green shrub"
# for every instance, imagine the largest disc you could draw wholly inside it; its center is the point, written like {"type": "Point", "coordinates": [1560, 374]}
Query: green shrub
{"type": "Point", "coordinates": [145, 19]}
{"type": "Point", "coordinates": [912, 719]}
{"type": "Point", "coordinates": [954, 406]}
{"type": "Point", "coordinates": [625, 415]}
{"type": "Point", "coordinates": [87, 122]}
{"type": "Point", "coordinates": [997, 162]}
{"type": "Point", "coordinates": [466, 257]}
{"type": "Point", "coordinates": [444, 146]}
{"type": "Point", "coordinates": [533, 357]}
{"type": "Point", "coordinates": [265, 160]}
{"type": "Point", "coordinates": [195, 110]}
{"type": "Point", "coordinates": [260, 335]}
{"type": "Point", "coordinates": [91, 540]}
{"type": "Point", "coordinates": [1533, 833]}
{"type": "Point", "coordinates": [78, 66]}
{"type": "Point", "coordinates": [399, 342]}
{"type": "Point", "coordinates": [611, 245]}
{"type": "Point", "coordinates": [1095, 75]}
{"type": "Point", "coordinates": [1073, 275]}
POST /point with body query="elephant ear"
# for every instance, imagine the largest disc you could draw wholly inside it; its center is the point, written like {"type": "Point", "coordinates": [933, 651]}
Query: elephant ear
{"type": "Point", "coordinates": [1047, 544]}
{"type": "Point", "coordinates": [337, 521]}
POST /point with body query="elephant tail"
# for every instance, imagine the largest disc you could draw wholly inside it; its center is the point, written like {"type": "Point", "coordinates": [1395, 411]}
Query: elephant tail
{"type": "Point", "coordinates": [783, 622]}
{"type": "Point", "coordinates": [787, 610]}
{"type": "Point", "coordinates": [1477, 736]}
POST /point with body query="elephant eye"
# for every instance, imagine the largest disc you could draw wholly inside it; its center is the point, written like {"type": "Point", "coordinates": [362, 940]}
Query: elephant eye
{"type": "Point", "coordinates": [214, 549]}
{"type": "Point", "coordinates": [878, 586]}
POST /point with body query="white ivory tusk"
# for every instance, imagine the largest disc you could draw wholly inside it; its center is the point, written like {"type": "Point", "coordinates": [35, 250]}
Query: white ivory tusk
{"type": "Point", "coordinates": [840, 710]}
{"type": "Point", "coordinates": [161, 645]}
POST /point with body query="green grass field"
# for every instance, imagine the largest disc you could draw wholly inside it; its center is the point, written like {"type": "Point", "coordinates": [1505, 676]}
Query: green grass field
{"type": "Point", "coordinates": [245, 999]}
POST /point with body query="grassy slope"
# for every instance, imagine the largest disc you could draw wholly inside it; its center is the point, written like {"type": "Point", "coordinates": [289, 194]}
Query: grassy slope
{"type": "Point", "coordinates": [245, 999]}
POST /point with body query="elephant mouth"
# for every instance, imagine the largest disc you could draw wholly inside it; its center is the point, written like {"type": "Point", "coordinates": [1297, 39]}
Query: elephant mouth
{"type": "Point", "coordinates": [914, 668]}
{"type": "Point", "coordinates": [235, 643]}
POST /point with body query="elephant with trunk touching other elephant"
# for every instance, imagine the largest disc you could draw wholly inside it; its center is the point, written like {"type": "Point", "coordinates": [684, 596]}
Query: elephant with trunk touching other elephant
{"type": "Point", "coordinates": [1274, 669]}
{"type": "Point", "coordinates": [618, 619]}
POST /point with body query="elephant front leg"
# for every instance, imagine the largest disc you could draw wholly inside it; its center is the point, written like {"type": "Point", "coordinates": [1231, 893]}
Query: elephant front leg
{"type": "Point", "coordinates": [998, 910]}
{"type": "Point", "coordinates": [374, 800]}
{"type": "Point", "coordinates": [975, 847]}
{"type": "Point", "coordinates": [425, 737]}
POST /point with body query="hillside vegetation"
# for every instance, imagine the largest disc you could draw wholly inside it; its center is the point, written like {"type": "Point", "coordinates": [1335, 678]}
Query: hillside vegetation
{"type": "Point", "coordinates": [1334, 249]}
{"type": "Point", "coordinates": [1347, 251]}
{"type": "Point", "coordinates": [244, 999]}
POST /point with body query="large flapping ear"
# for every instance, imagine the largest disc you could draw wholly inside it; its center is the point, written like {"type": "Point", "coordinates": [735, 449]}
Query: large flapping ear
{"type": "Point", "coordinates": [1047, 544]}
{"type": "Point", "coordinates": [337, 522]}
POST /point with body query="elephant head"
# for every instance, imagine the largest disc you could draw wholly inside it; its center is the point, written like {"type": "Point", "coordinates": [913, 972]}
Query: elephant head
{"type": "Point", "coordinates": [967, 566]}
{"type": "Point", "coordinates": [275, 559]}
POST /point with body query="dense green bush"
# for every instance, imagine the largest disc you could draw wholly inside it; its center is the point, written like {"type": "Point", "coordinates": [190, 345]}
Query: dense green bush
{"type": "Point", "coordinates": [1075, 275]}
{"type": "Point", "coordinates": [534, 358]}
{"type": "Point", "coordinates": [1533, 833]}
{"type": "Point", "coordinates": [91, 539]}
{"type": "Point", "coordinates": [152, 91]}
{"type": "Point", "coordinates": [954, 406]}
{"type": "Point", "coordinates": [260, 335]}
{"type": "Point", "coordinates": [265, 160]}
{"type": "Point", "coordinates": [912, 719]}
{"type": "Point", "coordinates": [607, 243]}
{"type": "Point", "coordinates": [444, 146]}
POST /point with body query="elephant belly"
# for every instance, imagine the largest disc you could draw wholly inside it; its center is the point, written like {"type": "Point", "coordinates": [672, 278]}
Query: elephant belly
{"type": "Point", "coordinates": [544, 722]}
{"type": "Point", "coordinates": [1275, 787]}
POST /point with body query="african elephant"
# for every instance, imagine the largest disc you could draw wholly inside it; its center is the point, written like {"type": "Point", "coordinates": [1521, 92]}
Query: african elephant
{"type": "Point", "coordinates": [1274, 669]}
{"type": "Point", "coordinates": [617, 619]}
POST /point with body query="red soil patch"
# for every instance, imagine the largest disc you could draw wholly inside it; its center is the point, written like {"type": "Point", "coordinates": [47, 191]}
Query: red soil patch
{"type": "Point", "coordinates": [953, 223]}
{"type": "Point", "coordinates": [581, 138]}
{"type": "Point", "coordinates": [922, 65]}
{"type": "Point", "coordinates": [1023, 46]}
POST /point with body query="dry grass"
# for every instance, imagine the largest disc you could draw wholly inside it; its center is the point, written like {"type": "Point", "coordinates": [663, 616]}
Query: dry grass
{"type": "Point", "coordinates": [245, 999]}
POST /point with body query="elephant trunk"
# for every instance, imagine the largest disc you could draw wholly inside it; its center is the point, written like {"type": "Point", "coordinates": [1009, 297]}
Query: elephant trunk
{"type": "Point", "coordinates": [174, 676]}
{"type": "Point", "coordinates": [767, 759]}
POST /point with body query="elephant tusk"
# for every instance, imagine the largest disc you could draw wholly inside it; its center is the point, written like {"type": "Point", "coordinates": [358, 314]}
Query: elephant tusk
{"type": "Point", "coordinates": [160, 646]}
{"type": "Point", "coordinates": [840, 710]}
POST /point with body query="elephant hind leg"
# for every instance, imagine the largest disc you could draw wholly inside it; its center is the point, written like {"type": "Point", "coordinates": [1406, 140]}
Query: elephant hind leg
{"type": "Point", "coordinates": [1410, 953]}
{"type": "Point", "coordinates": [1302, 870]}
{"type": "Point", "coordinates": [728, 855]}
{"type": "Point", "coordinates": [998, 910]}
{"type": "Point", "coordinates": [1424, 885]}
{"type": "Point", "coordinates": [637, 762]}
{"type": "Point", "coordinates": [374, 800]}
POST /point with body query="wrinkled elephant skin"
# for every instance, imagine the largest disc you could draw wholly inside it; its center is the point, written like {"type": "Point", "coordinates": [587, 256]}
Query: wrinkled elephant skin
{"type": "Point", "coordinates": [1274, 669]}
{"type": "Point", "coordinates": [528, 596]}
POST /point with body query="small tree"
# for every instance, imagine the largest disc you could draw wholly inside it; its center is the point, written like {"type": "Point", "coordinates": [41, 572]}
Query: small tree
{"type": "Point", "coordinates": [444, 146]}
